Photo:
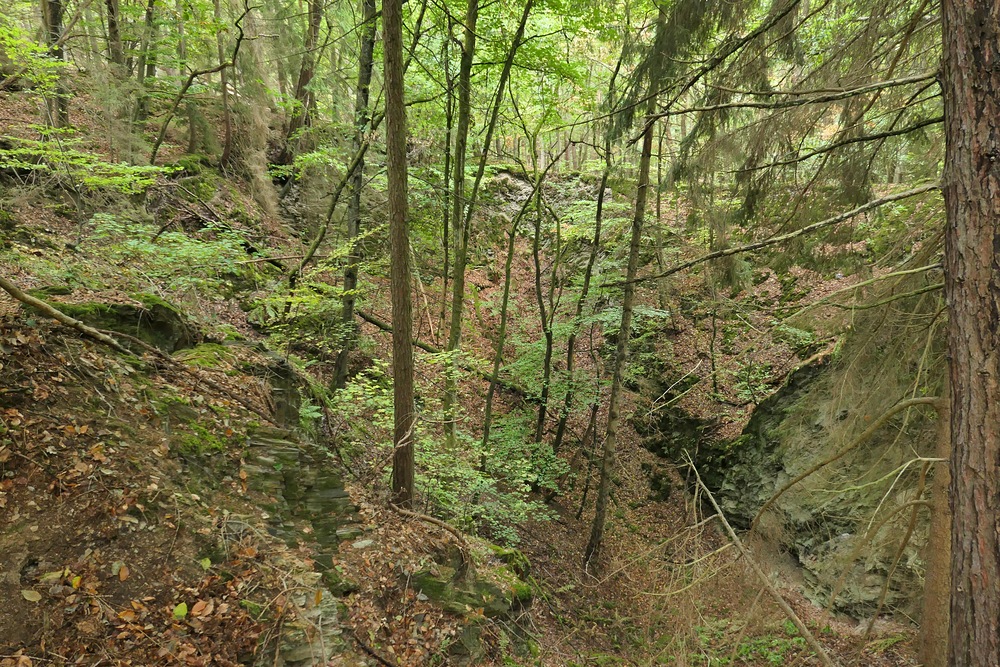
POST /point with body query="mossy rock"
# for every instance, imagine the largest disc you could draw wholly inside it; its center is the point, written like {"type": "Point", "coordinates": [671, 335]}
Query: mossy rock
{"type": "Point", "coordinates": [338, 584]}
{"type": "Point", "coordinates": [155, 322]}
{"type": "Point", "coordinates": [50, 290]}
{"type": "Point", "coordinates": [515, 560]}
{"type": "Point", "coordinates": [440, 585]}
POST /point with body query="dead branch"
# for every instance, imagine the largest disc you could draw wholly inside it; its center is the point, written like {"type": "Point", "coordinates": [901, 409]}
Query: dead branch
{"type": "Point", "coordinates": [774, 240]}
{"type": "Point", "coordinates": [61, 317]}
{"type": "Point", "coordinates": [868, 433]}
{"type": "Point", "coordinates": [462, 544]}
{"type": "Point", "coordinates": [764, 579]}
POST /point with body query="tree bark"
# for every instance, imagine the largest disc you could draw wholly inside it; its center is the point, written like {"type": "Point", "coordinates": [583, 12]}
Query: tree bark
{"type": "Point", "coordinates": [303, 95]}
{"type": "Point", "coordinates": [971, 87]}
{"type": "Point", "coordinates": [464, 208]}
{"type": "Point", "coordinates": [52, 20]}
{"type": "Point", "coordinates": [357, 181]}
{"type": "Point", "coordinates": [116, 53]}
{"type": "Point", "coordinates": [146, 66]}
{"type": "Point", "coordinates": [621, 355]}
{"type": "Point", "coordinates": [225, 160]}
{"type": "Point", "coordinates": [402, 316]}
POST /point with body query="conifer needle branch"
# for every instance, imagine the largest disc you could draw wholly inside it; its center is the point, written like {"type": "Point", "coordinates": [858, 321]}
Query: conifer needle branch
{"type": "Point", "coordinates": [774, 240]}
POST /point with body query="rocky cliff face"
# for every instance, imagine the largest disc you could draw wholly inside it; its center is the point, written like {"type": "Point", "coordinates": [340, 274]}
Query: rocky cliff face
{"type": "Point", "coordinates": [858, 526]}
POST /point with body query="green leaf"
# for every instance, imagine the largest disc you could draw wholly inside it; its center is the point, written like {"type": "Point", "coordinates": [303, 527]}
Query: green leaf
{"type": "Point", "coordinates": [180, 611]}
{"type": "Point", "coordinates": [206, 563]}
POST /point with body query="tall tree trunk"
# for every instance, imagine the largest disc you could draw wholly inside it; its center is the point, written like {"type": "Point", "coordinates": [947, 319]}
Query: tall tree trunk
{"type": "Point", "coordinates": [933, 643]}
{"type": "Point", "coordinates": [458, 209]}
{"type": "Point", "coordinates": [225, 160]}
{"type": "Point", "coordinates": [582, 299]}
{"type": "Point", "coordinates": [189, 106]}
{"type": "Point", "coordinates": [399, 255]}
{"type": "Point", "coordinates": [608, 452]}
{"type": "Point", "coordinates": [971, 86]}
{"type": "Point", "coordinates": [589, 270]}
{"type": "Point", "coordinates": [52, 21]}
{"type": "Point", "coordinates": [463, 208]}
{"type": "Point", "coordinates": [357, 181]}
{"type": "Point", "coordinates": [303, 96]}
{"type": "Point", "coordinates": [449, 120]}
{"type": "Point", "coordinates": [545, 315]}
{"type": "Point", "coordinates": [628, 301]}
{"type": "Point", "coordinates": [146, 66]}
{"type": "Point", "coordinates": [116, 52]}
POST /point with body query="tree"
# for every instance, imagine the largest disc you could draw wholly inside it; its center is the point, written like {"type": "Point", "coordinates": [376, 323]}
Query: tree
{"type": "Point", "coordinates": [402, 316]}
{"type": "Point", "coordinates": [971, 86]}
{"type": "Point", "coordinates": [357, 182]}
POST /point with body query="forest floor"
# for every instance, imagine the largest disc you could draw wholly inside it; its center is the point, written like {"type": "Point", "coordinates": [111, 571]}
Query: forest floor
{"type": "Point", "coordinates": [123, 543]}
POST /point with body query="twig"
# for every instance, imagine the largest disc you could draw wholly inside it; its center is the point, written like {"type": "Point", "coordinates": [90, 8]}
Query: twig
{"type": "Point", "coordinates": [757, 245]}
{"type": "Point", "coordinates": [868, 432]}
{"type": "Point", "coordinates": [369, 650]}
{"type": "Point", "coordinates": [764, 579]}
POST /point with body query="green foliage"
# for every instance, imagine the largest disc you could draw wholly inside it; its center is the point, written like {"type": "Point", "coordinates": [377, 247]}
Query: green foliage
{"type": "Point", "coordinates": [29, 60]}
{"type": "Point", "coordinates": [59, 155]}
{"type": "Point", "coordinates": [205, 261]}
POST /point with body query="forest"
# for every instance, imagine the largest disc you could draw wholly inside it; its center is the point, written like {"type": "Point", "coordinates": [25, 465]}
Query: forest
{"type": "Point", "coordinates": [500, 332]}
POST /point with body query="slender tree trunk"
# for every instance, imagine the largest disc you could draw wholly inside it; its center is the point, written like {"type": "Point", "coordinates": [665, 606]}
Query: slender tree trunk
{"type": "Point", "coordinates": [463, 208]}
{"type": "Point", "coordinates": [225, 160]}
{"type": "Point", "coordinates": [589, 270]}
{"type": "Point", "coordinates": [52, 20]}
{"type": "Point", "coordinates": [971, 86]}
{"type": "Point", "coordinates": [399, 249]}
{"type": "Point", "coordinates": [543, 316]}
{"type": "Point", "coordinates": [458, 209]}
{"type": "Point", "coordinates": [934, 624]}
{"type": "Point", "coordinates": [588, 274]}
{"type": "Point", "coordinates": [608, 453]}
{"type": "Point", "coordinates": [449, 119]}
{"type": "Point", "coordinates": [357, 181]}
{"type": "Point", "coordinates": [189, 106]}
{"type": "Point", "coordinates": [146, 65]}
{"type": "Point", "coordinates": [502, 333]}
{"type": "Point", "coordinates": [303, 95]}
{"type": "Point", "coordinates": [116, 52]}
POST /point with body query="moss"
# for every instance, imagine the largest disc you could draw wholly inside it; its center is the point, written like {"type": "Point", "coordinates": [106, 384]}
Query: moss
{"type": "Point", "coordinates": [200, 441]}
{"type": "Point", "coordinates": [206, 355]}
{"type": "Point", "coordinates": [514, 559]}
{"type": "Point", "coordinates": [156, 322]}
{"type": "Point", "coordinates": [191, 164]}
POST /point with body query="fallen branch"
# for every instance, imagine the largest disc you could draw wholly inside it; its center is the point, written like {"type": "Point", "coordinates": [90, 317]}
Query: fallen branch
{"type": "Point", "coordinates": [369, 650]}
{"type": "Point", "coordinates": [61, 317]}
{"type": "Point", "coordinates": [196, 374]}
{"type": "Point", "coordinates": [764, 579]}
{"type": "Point", "coordinates": [462, 544]}
{"type": "Point", "coordinates": [104, 337]}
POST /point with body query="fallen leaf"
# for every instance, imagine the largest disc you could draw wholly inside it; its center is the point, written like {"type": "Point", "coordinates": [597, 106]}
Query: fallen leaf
{"type": "Point", "coordinates": [123, 573]}
{"type": "Point", "coordinates": [30, 595]}
{"type": "Point", "coordinates": [180, 611]}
